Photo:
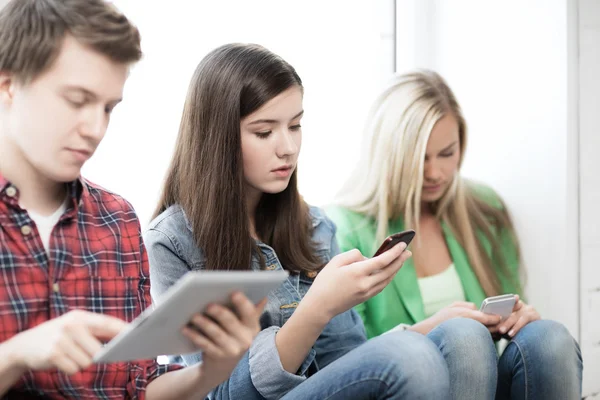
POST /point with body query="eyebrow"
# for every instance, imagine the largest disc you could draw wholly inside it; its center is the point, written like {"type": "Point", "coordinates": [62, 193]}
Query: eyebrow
{"type": "Point", "coordinates": [87, 93]}
{"type": "Point", "coordinates": [273, 121]}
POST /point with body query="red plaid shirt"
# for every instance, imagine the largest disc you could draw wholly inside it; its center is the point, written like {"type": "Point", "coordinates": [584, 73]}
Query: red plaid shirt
{"type": "Point", "coordinates": [97, 263]}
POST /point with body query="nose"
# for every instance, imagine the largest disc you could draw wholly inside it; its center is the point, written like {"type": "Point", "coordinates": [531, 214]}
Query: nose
{"type": "Point", "coordinates": [433, 172]}
{"type": "Point", "coordinates": [94, 124]}
{"type": "Point", "coordinates": [286, 145]}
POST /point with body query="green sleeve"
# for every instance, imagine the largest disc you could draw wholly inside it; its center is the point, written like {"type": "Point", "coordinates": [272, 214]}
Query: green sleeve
{"type": "Point", "coordinates": [346, 235]}
{"type": "Point", "coordinates": [512, 282]}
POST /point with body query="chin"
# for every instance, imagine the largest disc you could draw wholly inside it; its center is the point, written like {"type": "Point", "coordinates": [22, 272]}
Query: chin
{"type": "Point", "coordinates": [58, 170]}
{"type": "Point", "coordinates": [275, 188]}
{"type": "Point", "coordinates": [432, 197]}
{"type": "Point", "coordinates": [65, 175]}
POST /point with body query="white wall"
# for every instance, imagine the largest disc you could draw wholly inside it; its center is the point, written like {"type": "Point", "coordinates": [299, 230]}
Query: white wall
{"type": "Point", "coordinates": [341, 49]}
{"type": "Point", "coordinates": [588, 18]}
{"type": "Point", "coordinates": [515, 69]}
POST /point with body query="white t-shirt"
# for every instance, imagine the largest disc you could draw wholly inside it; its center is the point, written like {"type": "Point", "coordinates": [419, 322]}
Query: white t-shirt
{"type": "Point", "coordinates": [45, 224]}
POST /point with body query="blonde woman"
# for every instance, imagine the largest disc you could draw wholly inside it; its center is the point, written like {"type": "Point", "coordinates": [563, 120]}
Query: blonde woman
{"type": "Point", "coordinates": [466, 249]}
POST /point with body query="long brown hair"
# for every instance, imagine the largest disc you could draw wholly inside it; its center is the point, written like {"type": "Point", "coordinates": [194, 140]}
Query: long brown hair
{"type": "Point", "coordinates": [206, 176]}
{"type": "Point", "coordinates": [387, 185]}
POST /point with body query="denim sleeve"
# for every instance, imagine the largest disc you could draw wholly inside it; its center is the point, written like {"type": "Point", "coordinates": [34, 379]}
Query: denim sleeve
{"type": "Point", "coordinates": [166, 264]}
{"type": "Point", "coordinates": [334, 249]}
{"type": "Point", "coordinates": [267, 373]}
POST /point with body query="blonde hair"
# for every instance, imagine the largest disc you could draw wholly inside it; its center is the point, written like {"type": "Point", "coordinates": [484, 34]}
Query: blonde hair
{"type": "Point", "coordinates": [387, 183]}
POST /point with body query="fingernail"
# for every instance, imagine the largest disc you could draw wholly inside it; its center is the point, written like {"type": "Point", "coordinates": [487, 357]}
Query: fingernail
{"type": "Point", "coordinates": [502, 330]}
{"type": "Point", "coordinates": [511, 333]}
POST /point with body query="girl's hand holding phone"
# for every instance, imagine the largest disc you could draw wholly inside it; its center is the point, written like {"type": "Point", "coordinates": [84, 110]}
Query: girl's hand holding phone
{"type": "Point", "coordinates": [350, 279]}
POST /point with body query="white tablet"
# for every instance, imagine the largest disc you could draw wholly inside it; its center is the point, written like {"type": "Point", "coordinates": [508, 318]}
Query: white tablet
{"type": "Point", "coordinates": [157, 330]}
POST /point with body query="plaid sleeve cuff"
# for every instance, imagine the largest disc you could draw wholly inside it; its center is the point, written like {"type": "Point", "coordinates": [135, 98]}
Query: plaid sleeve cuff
{"type": "Point", "coordinates": [144, 372]}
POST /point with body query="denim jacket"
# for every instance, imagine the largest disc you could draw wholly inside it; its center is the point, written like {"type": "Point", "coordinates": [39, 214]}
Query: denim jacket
{"type": "Point", "coordinates": [172, 252]}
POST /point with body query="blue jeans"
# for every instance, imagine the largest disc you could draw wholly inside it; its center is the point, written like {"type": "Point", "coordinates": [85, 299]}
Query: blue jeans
{"type": "Point", "coordinates": [542, 361]}
{"type": "Point", "coordinates": [400, 365]}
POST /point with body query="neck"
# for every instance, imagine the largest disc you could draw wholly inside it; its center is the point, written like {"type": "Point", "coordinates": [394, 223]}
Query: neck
{"type": "Point", "coordinates": [426, 209]}
{"type": "Point", "coordinates": [36, 192]}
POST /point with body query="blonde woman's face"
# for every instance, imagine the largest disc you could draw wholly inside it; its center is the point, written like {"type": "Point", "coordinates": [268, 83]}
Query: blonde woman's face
{"type": "Point", "coordinates": [441, 158]}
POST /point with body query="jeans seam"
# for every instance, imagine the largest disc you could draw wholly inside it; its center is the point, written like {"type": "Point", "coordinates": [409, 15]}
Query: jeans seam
{"type": "Point", "coordinates": [524, 368]}
{"type": "Point", "coordinates": [356, 383]}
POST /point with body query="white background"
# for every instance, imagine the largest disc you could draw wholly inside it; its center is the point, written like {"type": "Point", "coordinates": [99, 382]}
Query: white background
{"type": "Point", "coordinates": [588, 19]}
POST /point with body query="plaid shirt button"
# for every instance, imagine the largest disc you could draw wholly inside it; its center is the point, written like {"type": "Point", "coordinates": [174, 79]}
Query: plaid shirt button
{"type": "Point", "coordinates": [26, 230]}
{"type": "Point", "coordinates": [11, 191]}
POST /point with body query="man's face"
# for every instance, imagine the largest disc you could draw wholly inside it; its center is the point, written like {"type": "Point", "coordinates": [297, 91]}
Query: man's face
{"type": "Point", "coordinates": [55, 122]}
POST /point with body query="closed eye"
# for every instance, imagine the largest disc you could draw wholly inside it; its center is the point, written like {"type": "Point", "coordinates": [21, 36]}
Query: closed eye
{"type": "Point", "coordinates": [263, 135]}
{"type": "Point", "coordinates": [75, 104]}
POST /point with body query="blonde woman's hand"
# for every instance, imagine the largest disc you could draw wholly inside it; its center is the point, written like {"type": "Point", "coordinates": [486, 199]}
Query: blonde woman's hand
{"type": "Point", "coordinates": [350, 279]}
{"type": "Point", "coordinates": [457, 309]}
{"type": "Point", "coordinates": [522, 315]}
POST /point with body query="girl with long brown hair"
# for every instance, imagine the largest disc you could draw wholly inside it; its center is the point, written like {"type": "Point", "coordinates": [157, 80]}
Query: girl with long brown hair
{"type": "Point", "coordinates": [230, 202]}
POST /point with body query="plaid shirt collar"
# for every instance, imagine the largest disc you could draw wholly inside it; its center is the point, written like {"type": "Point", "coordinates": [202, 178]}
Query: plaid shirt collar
{"type": "Point", "coordinates": [77, 190]}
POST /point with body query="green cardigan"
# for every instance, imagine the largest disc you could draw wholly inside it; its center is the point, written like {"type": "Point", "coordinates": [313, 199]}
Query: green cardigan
{"type": "Point", "coordinates": [400, 301]}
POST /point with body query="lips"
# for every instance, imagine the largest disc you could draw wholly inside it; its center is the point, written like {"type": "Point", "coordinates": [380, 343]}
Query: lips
{"type": "Point", "coordinates": [84, 152]}
{"type": "Point", "coordinates": [81, 154]}
{"type": "Point", "coordinates": [283, 168]}
{"type": "Point", "coordinates": [283, 172]}
{"type": "Point", "coordinates": [432, 188]}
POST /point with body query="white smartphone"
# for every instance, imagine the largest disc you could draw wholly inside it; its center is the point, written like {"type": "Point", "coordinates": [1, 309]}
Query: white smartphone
{"type": "Point", "coordinates": [499, 305]}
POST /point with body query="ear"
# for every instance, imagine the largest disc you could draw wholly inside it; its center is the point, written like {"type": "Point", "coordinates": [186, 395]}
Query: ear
{"type": "Point", "coordinates": [7, 88]}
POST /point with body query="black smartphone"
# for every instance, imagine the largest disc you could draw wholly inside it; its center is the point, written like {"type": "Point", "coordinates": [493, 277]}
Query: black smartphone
{"type": "Point", "coordinates": [392, 240]}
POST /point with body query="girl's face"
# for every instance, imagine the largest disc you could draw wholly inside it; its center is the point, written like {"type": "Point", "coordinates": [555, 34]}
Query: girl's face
{"type": "Point", "coordinates": [271, 140]}
{"type": "Point", "coordinates": [442, 157]}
